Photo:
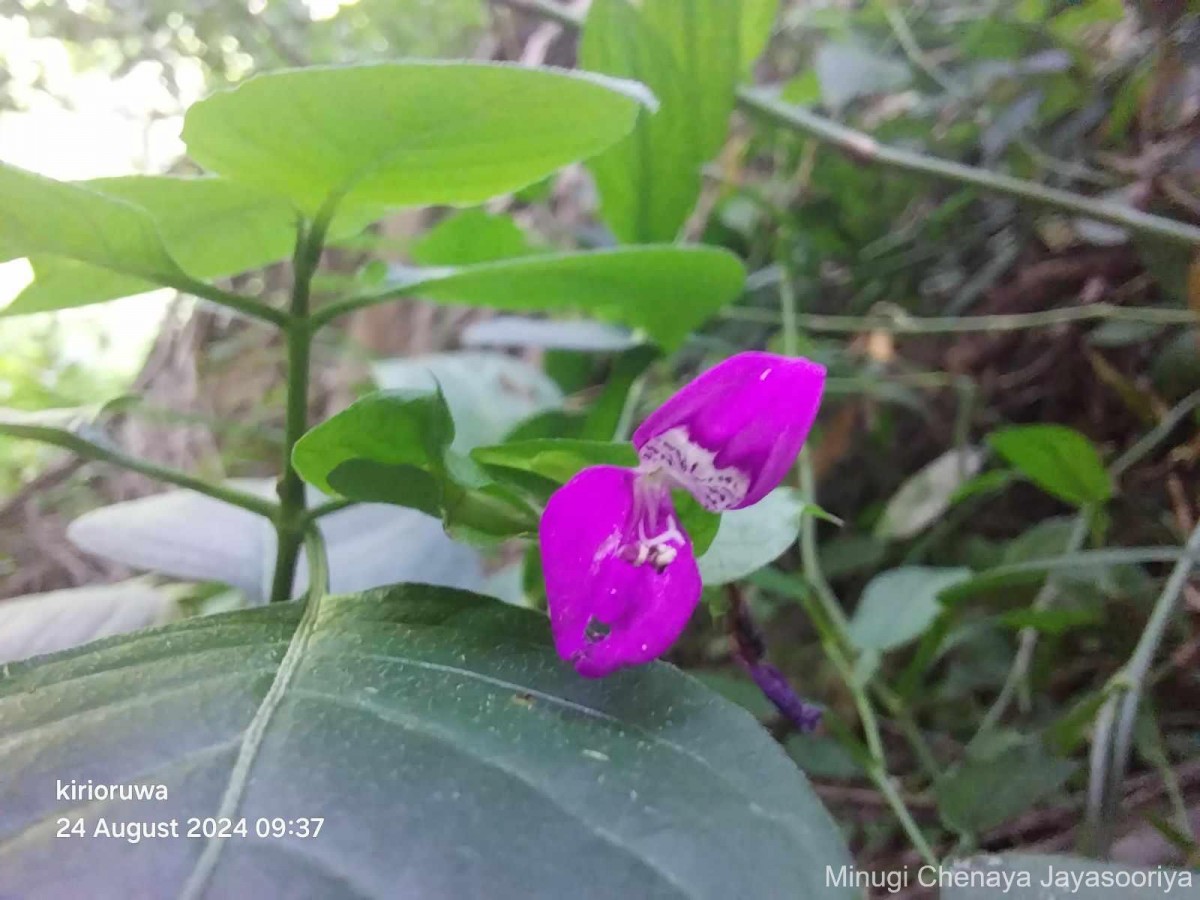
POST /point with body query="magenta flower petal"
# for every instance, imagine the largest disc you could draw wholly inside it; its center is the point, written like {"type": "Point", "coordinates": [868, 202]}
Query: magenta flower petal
{"type": "Point", "coordinates": [731, 435]}
{"type": "Point", "coordinates": [621, 578]}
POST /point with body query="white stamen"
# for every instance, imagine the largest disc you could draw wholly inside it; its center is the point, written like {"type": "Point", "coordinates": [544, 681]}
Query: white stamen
{"type": "Point", "coordinates": [695, 469]}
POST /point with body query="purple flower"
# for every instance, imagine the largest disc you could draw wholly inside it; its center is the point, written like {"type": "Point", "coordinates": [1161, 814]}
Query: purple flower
{"type": "Point", "coordinates": [621, 577]}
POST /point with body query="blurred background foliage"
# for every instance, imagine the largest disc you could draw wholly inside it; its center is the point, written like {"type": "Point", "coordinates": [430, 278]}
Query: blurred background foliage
{"type": "Point", "coordinates": [886, 271]}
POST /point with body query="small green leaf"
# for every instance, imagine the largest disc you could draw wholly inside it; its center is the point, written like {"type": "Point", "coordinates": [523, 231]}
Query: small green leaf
{"type": "Point", "coordinates": [558, 459]}
{"type": "Point", "coordinates": [850, 71]}
{"type": "Point", "coordinates": [925, 496]}
{"type": "Point", "coordinates": [649, 182]}
{"type": "Point", "coordinates": [470, 236]}
{"type": "Point", "coordinates": [406, 134]}
{"type": "Point", "coordinates": [1059, 460]}
{"type": "Point", "coordinates": [751, 538]}
{"type": "Point", "coordinates": [987, 790]}
{"type": "Point", "coordinates": [898, 605]}
{"type": "Point", "coordinates": [407, 429]}
{"type": "Point", "coordinates": [487, 393]}
{"type": "Point", "coordinates": [669, 291]}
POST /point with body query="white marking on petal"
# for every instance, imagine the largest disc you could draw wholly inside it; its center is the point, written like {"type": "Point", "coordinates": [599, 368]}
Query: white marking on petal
{"type": "Point", "coordinates": [694, 468]}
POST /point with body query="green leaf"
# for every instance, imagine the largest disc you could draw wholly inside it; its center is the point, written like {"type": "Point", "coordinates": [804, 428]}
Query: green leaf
{"type": "Point", "coordinates": [925, 496]}
{"type": "Point", "coordinates": [406, 134]}
{"type": "Point", "coordinates": [407, 432]}
{"type": "Point", "coordinates": [649, 182]}
{"type": "Point", "coordinates": [704, 38]}
{"type": "Point", "coordinates": [44, 217]}
{"type": "Point", "coordinates": [668, 291]}
{"type": "Point", "coordinates": [487, 393]}
{"type": "Point", "coordinates": [417, 723]}
{"type": "Point", "coordinates": [1029, 876]}
{"type": "Point", "coordinates": [1059, 460]}
{"type": "Point", "coordinates": [558, 459]}
{"type": "Point", "coordinates": [898, 605]}
{"type": "Point", "coordinates": [751, 538]}
{"type": "Point", "coordinates": [850, 71]}
{"type": "Point", "coordinates": [211, 227]}
{"type": "Point", "coordinates": [757, 20]}
{"type": "Point", "coordinates": [988, 790]}
{"type": "Point", "coordinates": [470, 236]}
{"type": "Point", "coordinates": [394, 447]}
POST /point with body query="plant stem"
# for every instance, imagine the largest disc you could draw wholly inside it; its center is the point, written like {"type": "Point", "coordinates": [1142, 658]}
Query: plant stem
{"type": "Point", "coordinates": [897, 321]}
{"type": "Point", "coordinates": [864, 147]}
{"type": "Point", "coordinates": [829, 618]}
{"type": "Point", "coordinates": [247, 307]}
{"type": "Point", "coordinates": [292, 522]}
{"type": "Point", "coordinates": [1113, 736]}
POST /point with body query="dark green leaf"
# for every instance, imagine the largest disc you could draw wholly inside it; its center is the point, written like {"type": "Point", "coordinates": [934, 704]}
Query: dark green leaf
{"type": "Point", "coordinates": [1059, 460]}
{"type": "Point", "coordinates": [406, 134]}
{"type": "Point", "coordinates": [985, 791]}
{"type": "Point", "coordinates": [414, 719]}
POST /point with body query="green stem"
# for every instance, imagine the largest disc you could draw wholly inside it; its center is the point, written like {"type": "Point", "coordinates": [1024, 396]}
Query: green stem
{"type": "Point", "coordinates": [897, 321]}
{"type": "Point", "coordinates": [292, 522]}
{"type": "Point", "coordinates": [318, 563]}
{"type": "Point", "coordinates": [829, 617]}
{"type": "Point", "coordinates": [247, 307]}
{"type": "Point", "coordinates": [866, 148]}
{"type": "Point", "coordinates": [1113, 736]}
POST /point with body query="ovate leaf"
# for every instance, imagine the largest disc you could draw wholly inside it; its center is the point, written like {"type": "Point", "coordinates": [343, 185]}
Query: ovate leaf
{"type": "Point", "coordinates": [210, 226]}
{"type": "Point", "coordinates": [1059, 460]}
{"type": "Point", "coordinates": [751, 538]}
{"type": "Point", "coordinates": [406, 134]}
{"type": "Point", "coordinates": [982, 792]}
{"type": "Point", "coordinates": [926, 495]}
{"type": "Point", "coordinates": [898, 605]}
{"type": "Point", "coordinates": [416, 723]}
{"type": "Point", "coordinates": [470, 236]}
{"type": "Point", "coordinates": [44, 217]}
{"type": "Point", "coordinates": [487, 393]}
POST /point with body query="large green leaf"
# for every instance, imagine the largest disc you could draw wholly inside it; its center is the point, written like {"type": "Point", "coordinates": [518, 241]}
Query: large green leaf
{"type": "Point", "coordinates": [1059, 460]}
{"type": "Point", "coordinates": [649, 182]}
{"type": "Point", "coordinates": [668, 291]}
{"type": "Point", "coordinates": [209, 226]}
{"type": "Point", "coordinates": [447, 750]}
{"type": "Point", "coordinates": [407, 134]}
{"type": "Point", "coordinates": [470, 236]}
